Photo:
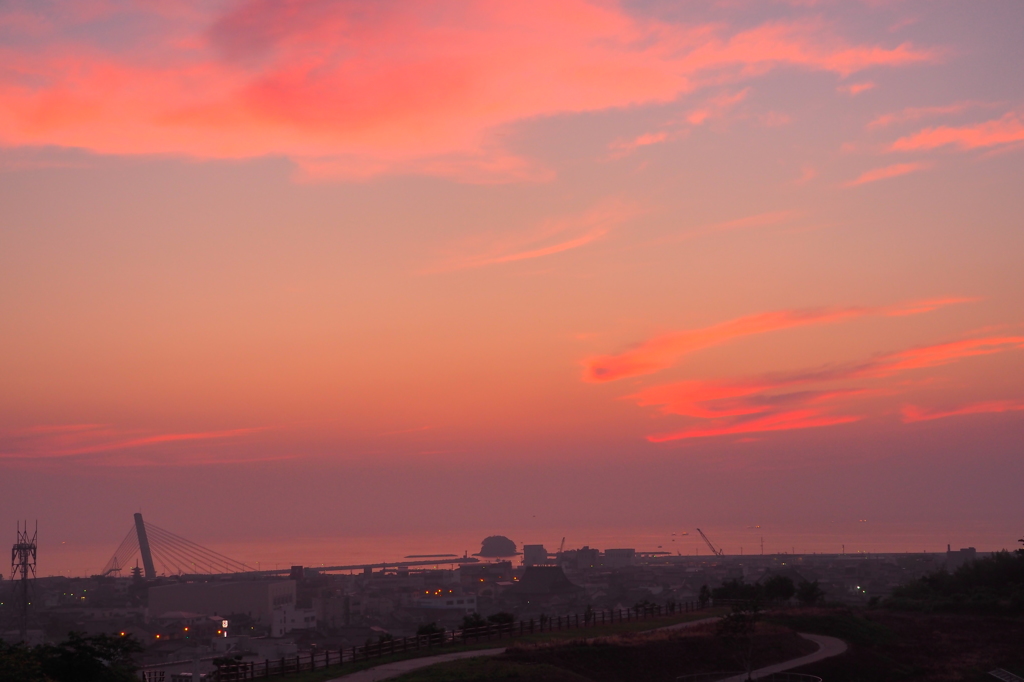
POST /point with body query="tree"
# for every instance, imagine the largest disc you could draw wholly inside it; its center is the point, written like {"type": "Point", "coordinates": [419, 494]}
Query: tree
{"type": "Point", "coordinates": [473, 620]}
{"type": "Point", "coordinates": [809, 593]}
{"type": "Point", "coordinates": [737, 630]}
{"type": "Point", "coordinates": [18, 663]}
{"type": "Point", "coordinates": [98, 658]}
{"type": "Point", "coordinates": [737, 589]}
{"type": "Point", "coordinates": [991, 583]}
{"type": "Point", "coordinates": [779, 587]}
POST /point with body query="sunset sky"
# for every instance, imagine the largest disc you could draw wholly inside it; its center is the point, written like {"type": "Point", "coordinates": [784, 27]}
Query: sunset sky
{"type": "Point", "coordinates": [307, 269]}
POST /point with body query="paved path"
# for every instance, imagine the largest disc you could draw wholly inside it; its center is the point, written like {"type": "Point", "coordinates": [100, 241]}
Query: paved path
{"type": "Point", "coordinates": [827, 648]}
{"type": "Point", "coordinates": [389, 670]}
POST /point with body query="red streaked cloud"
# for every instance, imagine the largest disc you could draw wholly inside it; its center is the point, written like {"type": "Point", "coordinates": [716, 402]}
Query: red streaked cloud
{"type": "Point", "coordinates": [912, 413]}
{"type": "Point", "coordinates": [941, 354]}
{"type": "Point", "coordinates": [809, 398]}
{"type": "Point", "coordinates": [1005, 130]}
{"type": "Point", "coordinates": [662, 351]}
{"type": "Point", "coordinates": [886, 172]}
{"type": "Point", "coordinates": [349, 89]}
{"type": "Point", "coordinates": [783, 421]}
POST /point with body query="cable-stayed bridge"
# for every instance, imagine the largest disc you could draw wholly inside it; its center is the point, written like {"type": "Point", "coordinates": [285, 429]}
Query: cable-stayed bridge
{"type": "Point", "coordinates": [176, 555]}
{"type": "Point", "coordinates": [157, 548]}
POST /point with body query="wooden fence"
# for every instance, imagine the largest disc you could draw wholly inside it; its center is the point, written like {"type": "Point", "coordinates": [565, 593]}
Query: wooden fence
{"type": "Point", "coordinates": [318, 660]}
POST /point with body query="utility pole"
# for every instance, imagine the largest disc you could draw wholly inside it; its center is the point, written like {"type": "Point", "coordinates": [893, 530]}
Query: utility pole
{"type": "Point", "coordinates": [23, 569]}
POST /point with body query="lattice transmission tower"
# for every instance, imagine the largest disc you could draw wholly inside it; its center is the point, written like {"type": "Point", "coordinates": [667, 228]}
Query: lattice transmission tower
{"type": "Point", "coordinates": [23, 575]}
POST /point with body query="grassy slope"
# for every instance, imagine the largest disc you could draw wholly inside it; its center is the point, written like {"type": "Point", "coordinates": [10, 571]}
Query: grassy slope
{"type": "Point", "coordinates": [492, 668]}
{"type": "Point", "coordinates": [658, 657]}
{"type": "Point", "coordinates": [537, 638]}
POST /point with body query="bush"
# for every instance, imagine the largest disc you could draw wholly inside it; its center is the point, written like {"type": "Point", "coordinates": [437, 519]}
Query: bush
{"type": "Point", "coordinates": [473, 620]}
{"type": "Point", "coordinates": [501, 618]}
{"type": "Point", "coordinates": [429, 629]}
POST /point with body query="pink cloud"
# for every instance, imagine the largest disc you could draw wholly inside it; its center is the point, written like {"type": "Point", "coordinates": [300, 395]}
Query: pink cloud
{"type": "Point", "coordinates": [716, 107]}
{"type": "Point", "coordinates": [1005, 130]}
{"type": "Point", "coordinates": [548, 250]}
{"type": "Point", "coordinates": [912, 413]}
{"type": "Point", "coordinates": [757, 220]}
{"type": "Point", "coordinates": [917, 113]}
{"type": "Point", "coordinates": [585, 228]}
{"type": "Point", "coordinates": [854, 89]}
{"type": "Point", "coordinates": [807, 173]}
{"type": "Point", "coordinates": [744, 223]}
{"type": "Point", "coordinates": [78, 440]}
{"type": "Point", "coordinates": [622, 148]}
{"type": "Point", "coordinates": [662, 351]}
{"type": "Point", "coordinates": [886, 172]}
{"type": "Point", "coordinates": [356, 89]}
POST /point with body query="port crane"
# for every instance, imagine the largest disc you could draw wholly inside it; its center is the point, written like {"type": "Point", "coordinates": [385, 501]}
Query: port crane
{"type": "Point", "coordinates": [716, 552]}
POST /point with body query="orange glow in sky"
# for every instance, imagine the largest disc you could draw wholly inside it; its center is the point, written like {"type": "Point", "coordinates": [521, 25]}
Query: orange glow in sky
{"type": "Point", "coordinates": [514, 255]}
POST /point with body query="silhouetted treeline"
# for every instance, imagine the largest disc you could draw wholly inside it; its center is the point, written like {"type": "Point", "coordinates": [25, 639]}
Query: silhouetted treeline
{"type": "Point", "coordinates": [993, 583]}
{"type": "Point", "coordinates": [99, 658]}
{"type": "Point", "coordinates": [778, 588]}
